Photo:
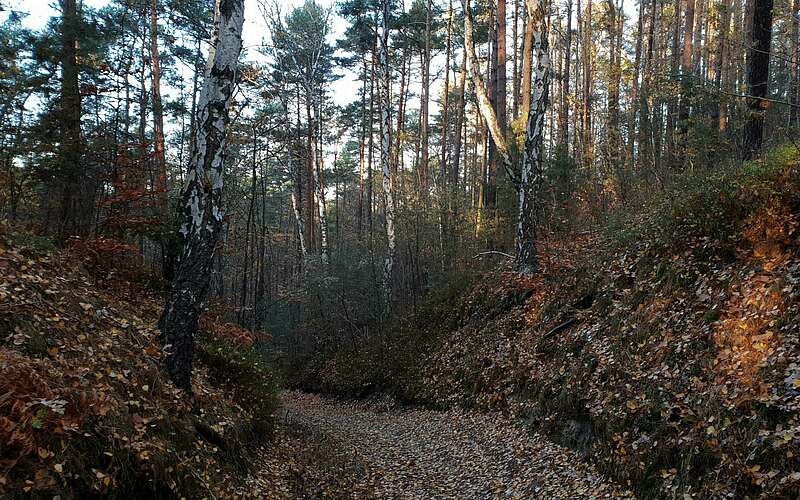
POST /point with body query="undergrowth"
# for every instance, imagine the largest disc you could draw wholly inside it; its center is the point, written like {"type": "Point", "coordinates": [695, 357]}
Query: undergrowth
{"type": "Point", "coordinates": [85, 407]}
{"type": "Point", "coordinates": [663, 345]}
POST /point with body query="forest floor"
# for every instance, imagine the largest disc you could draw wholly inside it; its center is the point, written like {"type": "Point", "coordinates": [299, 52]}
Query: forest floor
{"type": "Point", "coordinates": [398, 452]}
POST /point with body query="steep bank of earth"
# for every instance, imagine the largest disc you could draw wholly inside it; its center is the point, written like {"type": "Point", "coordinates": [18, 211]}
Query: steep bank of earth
{"type": "Point", "coordinates": [663, 347]}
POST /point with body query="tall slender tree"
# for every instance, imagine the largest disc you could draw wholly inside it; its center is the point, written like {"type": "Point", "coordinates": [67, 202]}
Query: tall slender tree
{"type": "Point", "coordinates": [202, 195]}
{"type": "Point", "coordinates": [758, 77]}
{"type": "Point", "coordinates": [532, 172]}
{"type": "Point", "coordinates": [386, 145]}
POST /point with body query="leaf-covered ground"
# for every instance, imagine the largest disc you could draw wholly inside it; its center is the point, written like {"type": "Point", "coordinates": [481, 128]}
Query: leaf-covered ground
{"type": "Point", "coordinates": [664, 349]}
{"type": "Point", "coordinates": [86, 409]}
{"type": "Point", "coordinates": [395, 452]}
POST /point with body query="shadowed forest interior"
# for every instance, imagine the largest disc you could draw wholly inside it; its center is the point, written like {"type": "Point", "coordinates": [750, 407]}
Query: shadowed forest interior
{"type": "Point", "coordinates": [400, 249]}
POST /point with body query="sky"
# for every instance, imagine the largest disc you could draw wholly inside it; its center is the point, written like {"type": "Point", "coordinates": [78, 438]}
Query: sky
{"type": "Point", "coordinates": [342, 91]}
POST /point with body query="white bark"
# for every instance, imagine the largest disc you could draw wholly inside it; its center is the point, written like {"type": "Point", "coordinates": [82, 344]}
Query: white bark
{"type": "Point", "coordinates": [204, 177]}
{"type": "Point", "coordinates": [298, 217]}
{"type": "Point", "coordinates": [308, 79]}
{"type": "Point", "coordinates": [532, 173]}
{"type": "Point", "coordinates": [319, 187]}
{"type": "Point", "coordinates": [383, 80]}
{"type": "Point", "coordinates": [484, 105]}
{"type": "Point", "coordinates": [202, 195]}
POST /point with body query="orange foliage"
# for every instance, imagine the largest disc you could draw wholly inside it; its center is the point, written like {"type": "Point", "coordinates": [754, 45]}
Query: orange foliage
{"type": "Point", "coordinates": [228, 332]}
{"type": "Point", "coordinates": [34, 408]}
{"type": "Point", "coordinates": [100, 251]}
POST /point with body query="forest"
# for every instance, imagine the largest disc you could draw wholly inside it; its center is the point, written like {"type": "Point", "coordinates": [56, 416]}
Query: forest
{"type": "Point", "coordinates": [400, 249]}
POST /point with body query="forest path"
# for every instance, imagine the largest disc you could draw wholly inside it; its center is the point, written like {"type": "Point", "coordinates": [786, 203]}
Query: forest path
{"type": "Point", "coordinates": [416, 453]}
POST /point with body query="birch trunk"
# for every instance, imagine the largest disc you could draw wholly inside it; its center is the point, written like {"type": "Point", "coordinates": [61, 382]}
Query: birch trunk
{"type": "Point", "coordinates": [484, 104]}
{"type": "Point", "coordinates": [532, 173]}
{"type": "Point", "coordinates": [202, 196]}
{"type": "Point", "coordinates": [386, 144]}
{"type": "Point", "coordinates": [296, 191]}
{"type": "Point", "coordinates": [320, 187]}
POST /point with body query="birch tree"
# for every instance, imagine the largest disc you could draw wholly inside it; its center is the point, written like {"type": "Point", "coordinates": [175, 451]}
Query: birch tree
{"type": "Point", "coordinates": [484, 103]}
{"type": "Point", "coordinates": [531, 174]}
{"type": "Point", "coordinates": [202, 194]}
{"type": "Point", "coordinates": [303, 49]}
{"type": "Point", "coordinates": [386, 143]}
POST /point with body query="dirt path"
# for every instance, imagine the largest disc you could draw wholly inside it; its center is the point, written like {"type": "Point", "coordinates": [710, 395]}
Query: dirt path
{"type": "Point", "coordinates": [412, 453]}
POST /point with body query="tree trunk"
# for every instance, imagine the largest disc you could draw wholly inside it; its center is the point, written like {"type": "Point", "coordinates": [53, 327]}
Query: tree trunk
{"type": "Point", "coordinates": [158, 115]}
{"type": "Point", "coordinates": [588, 75]}
{"type": "Point", "coordinates": [794, 44]}
{"type": "Point", "coordinates": [637, 61]}
{"type": "Point", "coordinates": [515, 67]}
{"type": "Point", "coordinates": [72, 219]}
{"type": "Point", "coordinates": [484, 104]}
{"type": "Point", "coordinates": [386, 144]}
{"type": "Point", "coordinates": [318, 179]}
{"type": "Point", "coordinates": [361, 153]}
{"type": "Point", "coordinates": [202, 196]}
{"type": "Point", "coordinates": [758, 77]}
{"type": "Point", "coordinates": [168, 250]}
{"type": "Point", "coordinates": [614, 77]}
{"type": "Point", "coordinates": [462, 104]}
{"type": "Point", "coordinates": [424, 105]}
{"type": "Point", "coordinates": [446, 104]}
{"type": "Point", "coordinates": [720, 60]}
{"type": "Point", "coordinates": [500, 98]}
{"type": "Point", "coordinates": [563, 127]}
{"type": "Point", "coordinates": [532, 173]}
{"type": "Point", "coordinates": [686, 70]}
{"type": "Point", "coordinates": [527, 55]}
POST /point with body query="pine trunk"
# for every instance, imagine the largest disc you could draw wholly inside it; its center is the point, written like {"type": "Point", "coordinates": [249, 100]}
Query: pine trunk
{"type": "Point", "coordinates": [758, 77]}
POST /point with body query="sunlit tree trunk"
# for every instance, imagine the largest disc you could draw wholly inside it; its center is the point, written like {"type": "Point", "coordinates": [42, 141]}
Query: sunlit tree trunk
{"type": "Point", "coordinates": [686, 70]}
{"type": "Point", "coordinates": [484, 104]}
{"type": "Point", "coordinates": [460, 122]}
{"type": "Point", "coordinates": [720, 61]}
{"type": "Point", "coordinates": [446, 103]}
{"type": "Point", "coordinates": [202, 195]}
{"type": "Point", "coordinates": [424, 106]}
{"type": "Point", "coordinates": [563, 128]}
{"type": "Point", "coordinates": [588, 75]}
{"type": "Point", "coordinates": [527, 55]}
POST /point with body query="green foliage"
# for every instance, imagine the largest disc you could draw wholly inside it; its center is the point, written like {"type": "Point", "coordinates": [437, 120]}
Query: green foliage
{"type": "Point", "coordinates": [243, 370]}
{"type": "Point", "coordinates": [704, 203]}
